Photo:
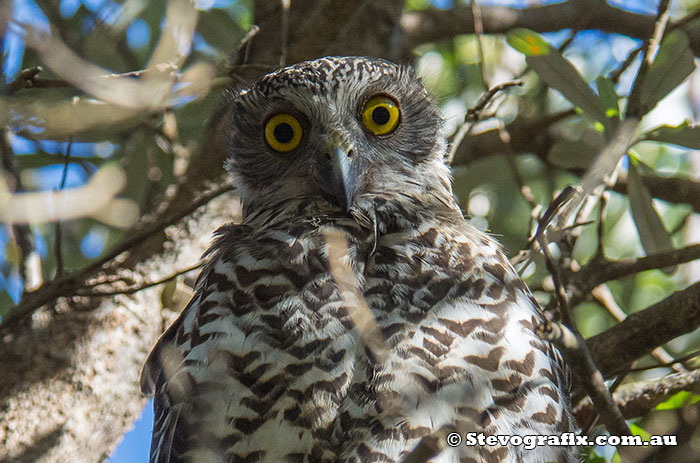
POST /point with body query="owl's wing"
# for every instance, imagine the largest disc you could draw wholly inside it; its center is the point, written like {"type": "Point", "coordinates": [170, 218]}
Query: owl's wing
{"type": "Point", "coordinates": [152, 368]}
{"type": "Point", "coordinates": [169, 433]}
{"type": "Point", "coordinates": [163, 373]}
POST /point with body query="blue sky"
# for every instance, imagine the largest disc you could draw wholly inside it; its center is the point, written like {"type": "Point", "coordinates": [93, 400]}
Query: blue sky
{"type": "Point", "coordinates": [134, 447]}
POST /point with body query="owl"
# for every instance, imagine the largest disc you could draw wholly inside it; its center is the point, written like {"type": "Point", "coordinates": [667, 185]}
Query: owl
{"type": "Point", "coordinates": [268, 362]}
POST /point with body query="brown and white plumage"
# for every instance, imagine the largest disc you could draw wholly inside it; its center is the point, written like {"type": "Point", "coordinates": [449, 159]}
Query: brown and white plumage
{"type": "Point", "coordinates": [266, 364]}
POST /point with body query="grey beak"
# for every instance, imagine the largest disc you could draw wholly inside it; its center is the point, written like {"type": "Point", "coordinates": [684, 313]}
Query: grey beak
{"type": "Point", "coordinates": [342, 177]}
{"type": "Point", "coordinates": [344, 182]}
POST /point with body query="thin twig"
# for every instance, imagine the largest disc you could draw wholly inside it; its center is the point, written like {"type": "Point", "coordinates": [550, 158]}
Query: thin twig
{"type": "Point", "coordinates": [650, 46]}
{"type": "Point", "coordinates": [140, 287]}
{"type": "Point", "coordinates": [600, 228]}
{"type": "Point", "coordinates": [246, 41]}
{"type": "Point", "coordinates": [58, 232]}
{"type": "Point", "coordinates": [525, 190]}
{"type": "Point", "coordinates": [659, 28]}
{"type": "Point", "coordinates": [285, 32]}
{"type": "Point", "coordinates": [21, 233]}
{"type": "Point", "coordinates": [617, 73]}
{"type": "Point", "coordinates": [559, 285]}
{"type": "Point", "coordinates": [478, 30]}
{"type": "Point", "coordinates": [679, 360]}
{"type": "Point", "coordinates": [474, 114]}
{"type": "Point", "coordinates": [586, 429]}
{"type": "Point", "coordinates": [68, 285]}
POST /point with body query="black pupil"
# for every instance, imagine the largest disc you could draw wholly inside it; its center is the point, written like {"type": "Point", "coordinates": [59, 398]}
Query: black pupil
{"type": "Point", "coordinates": [284, 132]}
{"type": "Point", "coordinates": [380, 115]}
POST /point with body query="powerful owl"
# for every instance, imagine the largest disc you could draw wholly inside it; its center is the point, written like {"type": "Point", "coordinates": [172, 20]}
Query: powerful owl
{"type": "Point", "coordinates": [269, 361]}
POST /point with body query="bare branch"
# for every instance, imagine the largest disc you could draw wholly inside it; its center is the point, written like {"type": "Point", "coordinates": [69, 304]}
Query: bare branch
{"type": "Point", "coordinates": [432, 25]}
{"type": "Point", "coordinates": [649, 48]}
{"type": "Point", "coordinates": [478, 31]}
{"type": "Point", "coordinates": [285, 32]}
{"type": "Point", "coordinates": [598, 271]}
{"type": "Point", "coordinates": [615, 349]}
{"type": "Point", "coordinates": [603, 295]}
{"type": "Point", "coordinates": [68, 285]}
{"type": "Point", "coordinates": [638, 399]}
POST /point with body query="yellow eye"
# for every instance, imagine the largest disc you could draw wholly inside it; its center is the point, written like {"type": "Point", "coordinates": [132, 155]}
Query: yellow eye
{"type": "Point", "coordinates": [381, 115]}
{"type": "Point", "coordinates": [283, 132]}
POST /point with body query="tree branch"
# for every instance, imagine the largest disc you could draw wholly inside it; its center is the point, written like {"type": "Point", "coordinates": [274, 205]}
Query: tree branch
{"type": "Point", "coordinates": [601, 271]}
{"type": "Point", "coordinates": [432, 25]}
{"type": "Point", "coordinates": [641, 332]}
{"type": "Point", "coordinates": [675, 190]}
{"type": "Point", "coordinates": [70, 285]}
{"type": "Point", "coordinates": [638, 399]}
{"type": "Point", "coordinates": [535, 136]}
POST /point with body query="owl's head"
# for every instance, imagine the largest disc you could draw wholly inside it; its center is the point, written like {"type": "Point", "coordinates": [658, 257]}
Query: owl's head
{"type": "Point", "coordinates": [338, 130]}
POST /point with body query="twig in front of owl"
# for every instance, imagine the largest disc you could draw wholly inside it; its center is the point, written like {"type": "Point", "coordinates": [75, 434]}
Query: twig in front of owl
{"type": "Point", "coordinates": [351, 294]}
{"type": "Point", "coordinates": [246, 41]}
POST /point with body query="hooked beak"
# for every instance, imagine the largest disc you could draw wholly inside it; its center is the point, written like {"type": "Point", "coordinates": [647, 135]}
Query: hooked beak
{"type": "Point", "coordinates": [342, 176]}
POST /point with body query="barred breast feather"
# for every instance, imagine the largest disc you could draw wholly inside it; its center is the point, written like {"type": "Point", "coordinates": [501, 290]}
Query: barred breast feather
{"type": "Point", "coordinates": [266, 365]}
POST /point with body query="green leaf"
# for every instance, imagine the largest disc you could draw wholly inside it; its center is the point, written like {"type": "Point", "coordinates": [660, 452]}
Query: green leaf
{"type": "Point", "coordinates": [608, 96]}
{"type": "Point", "coordinates": [219, 30]}
{"type": "Point", "coordinates": [684, 135]}
{"type": "Point", "coordinates": [572, 154]}
{"type": "Point", "coordinates": [678, 400]}
{"type": "Point", "coordinates": [652, 233]}
{"type": "Point", "coordinates": [527, 42]}
{"type": "Point", "coordinates": [639, 431]}
{"type": "Point", "coordinates": [557, 72]}
{"type": "Point", "coordinates": [673, 64]}
{"type": "Point", "coordinates": [593, 457]}
{"type": "Point", "coordinates": [6, 304]}
{"type": "Point", "coordinates": [167, 296]}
